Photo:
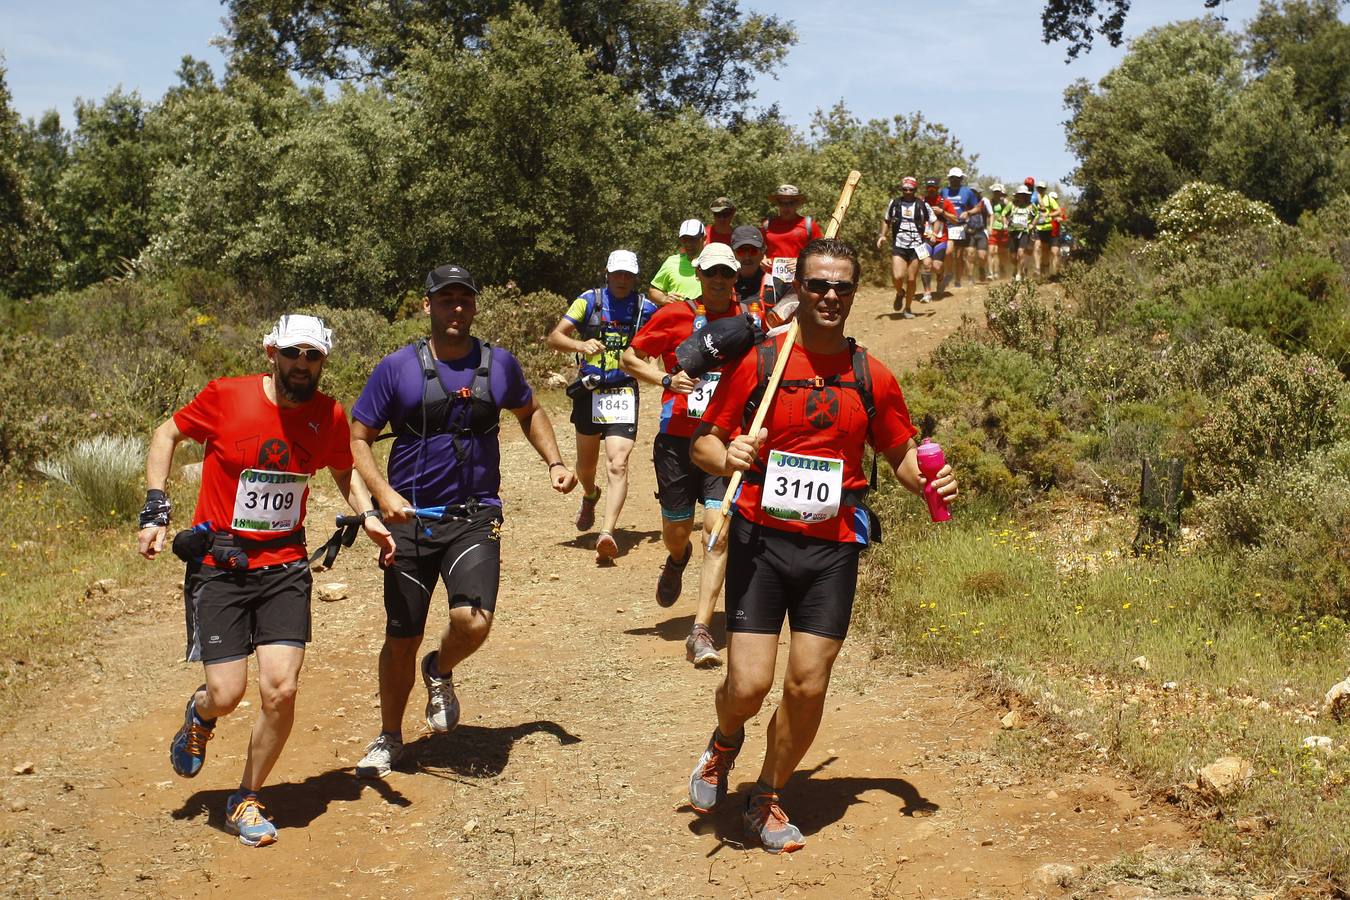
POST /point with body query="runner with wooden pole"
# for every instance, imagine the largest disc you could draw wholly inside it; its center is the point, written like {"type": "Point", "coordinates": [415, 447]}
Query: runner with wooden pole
{"type": "Point", "coordinates": [832, 229]}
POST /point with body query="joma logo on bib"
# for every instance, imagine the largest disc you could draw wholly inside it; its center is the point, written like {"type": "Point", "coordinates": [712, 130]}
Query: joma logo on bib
{"type": "Point", "coordinates": [255, 476]}
{"type": "Point", "coordinates": [806, 463]}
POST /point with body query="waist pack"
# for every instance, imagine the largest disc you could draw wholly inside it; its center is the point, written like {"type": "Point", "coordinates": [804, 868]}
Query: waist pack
{"type": "Point", "coordinates": [227, 549]}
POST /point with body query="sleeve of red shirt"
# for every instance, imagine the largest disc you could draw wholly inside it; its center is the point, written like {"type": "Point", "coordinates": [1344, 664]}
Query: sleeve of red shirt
{"type": "Point", "coordinates": [815, 230]}
{"type": "Point", "coordinates": [651, 338]}
{"type": "Point", "coordinates": [198, 419]}
{"type": "Point", "coordinates": [892, 427]}
{"type": "Point", "coordinates": [726, 409]}
{"type": "Point", "coordinates": [340, 444]}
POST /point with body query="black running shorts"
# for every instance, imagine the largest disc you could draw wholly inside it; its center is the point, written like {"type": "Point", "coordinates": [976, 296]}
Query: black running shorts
{"type": "Point", "coordinates": [230, 613]}
{"type": "Point", "coordinates": [773, 573]}
{"type": "Point", "coordinates": [978, 240]}
{"type": "Point", "coordinates": [583, 420]}
{"type": "Point", "coordinates": [1021, 240]}
{"type": "Point", "coordinates": [679, 483]}
{"type": "Point", "coordinates": [908, 254]}
{"type": "Point", "coordinates": [463, 553]}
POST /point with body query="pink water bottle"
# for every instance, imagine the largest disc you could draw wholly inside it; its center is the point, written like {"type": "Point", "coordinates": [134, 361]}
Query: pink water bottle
{"type": "Point", "coordinates": [931, 462]}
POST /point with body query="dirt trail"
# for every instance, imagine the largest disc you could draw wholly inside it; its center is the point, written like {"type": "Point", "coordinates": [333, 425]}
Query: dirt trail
{"type": "Point", "coordinates": [567, 775]}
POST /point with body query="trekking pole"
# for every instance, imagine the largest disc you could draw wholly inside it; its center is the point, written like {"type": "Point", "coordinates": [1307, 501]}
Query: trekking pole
{"type": "Point", "coordinates": [724, 511]}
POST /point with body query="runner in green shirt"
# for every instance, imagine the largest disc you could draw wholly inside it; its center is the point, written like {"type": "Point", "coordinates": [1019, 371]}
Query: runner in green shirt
{"type": "Point", "coordinates": [676, 281]}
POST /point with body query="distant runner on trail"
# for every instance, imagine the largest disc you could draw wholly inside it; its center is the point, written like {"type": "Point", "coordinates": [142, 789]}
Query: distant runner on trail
{"type": "Point", "coordinates": [787, 233]}
{"type": "Point", "coordinates": [680, 484]}
{"type": "Point", "coordinates": [675, 281]}
{"type": "Point", "coordinates": [1047, 232]}
{"type": "Point", "coordinates": [719, 231]}
{"type": "Point", "coordinates": [906, 219]}
{"type": "Point", "coordinates": [963, 201]}
{"type": "Point", "coordinates": [598, 327]}
{"type": "Point", "coordinates": [940, 213]}
{"type": "Point", "coordinates": [753, 284]}
{"type": "Point", "coordinates": [248, 582]}
{"type": "Point", "coordinates": [999, 210]}
{"type": "Point", "coordinates": [977, 236]}
{"type": "Point", "coordinates": [1021, 229]}
{"type": "Point", "coordinates": [442, 397]}
{"type": "Point", "coordinates": [798, 528]}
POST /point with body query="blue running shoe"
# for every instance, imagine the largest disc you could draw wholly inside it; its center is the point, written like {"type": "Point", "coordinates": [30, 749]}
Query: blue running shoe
{"type": "Point", "coordinates": [243, 816]}
{"type": "Point", "coordinates": [187, 752]}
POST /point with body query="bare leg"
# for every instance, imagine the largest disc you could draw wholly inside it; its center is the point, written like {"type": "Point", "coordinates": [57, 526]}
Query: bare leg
{"type": "Point", "coordinates": [750, 661]}
{"type": "Point", "coordinates": [676, 536]}
{"type": "Point", "coordinates": [617, 450]}
{"type": "Point", "coordinates": [225, 686]}
{"type": "Point", "coordinates": [714, 570]}
{"type": "Point", "coordinates": [797, 719]}
{"type": "Point", "coordinates": [588, 457]}
{"type": "Point", "coordinates": [468, 629]}
{"type": "Point", "coordinates": [398, 673]}
{"type": "Point", "coordinates": [278, 679]}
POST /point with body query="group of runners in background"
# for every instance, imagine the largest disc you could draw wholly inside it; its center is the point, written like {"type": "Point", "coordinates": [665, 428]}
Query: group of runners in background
{"type": "Point", "coordinates": [435, 511]}
{"type": "Point", "coordinates": [962, 230]}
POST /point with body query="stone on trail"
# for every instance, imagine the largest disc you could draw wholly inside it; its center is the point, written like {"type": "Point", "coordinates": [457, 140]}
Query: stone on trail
{"type": "Point", "coordinates": [24, 768]}
{"type": "Point", "coordinates": [102, 586]}
{"type": "Point", "coordinates": [1318, 742]}
{"type": "Point", "coordinates": [334, 590]}
{"type": "Point", "coordinates": [1337, 701]}
{"type": "Point", "coordinates": [1142, 663]}
{"type": "Point", "coordinates": [1224, 776]}
{"type": "Point", "coordinates": [1012, 720]}
{"type": "Point", "coordinates": [1055, 875]}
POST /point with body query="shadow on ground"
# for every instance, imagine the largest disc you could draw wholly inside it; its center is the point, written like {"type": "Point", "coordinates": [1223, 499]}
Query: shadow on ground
{"type": "Point", "coordinates": [677, 629]}
{"type": "Point", "coordinates": [473, 751]}
{"type": "Point", "coordinates": [293, 804]}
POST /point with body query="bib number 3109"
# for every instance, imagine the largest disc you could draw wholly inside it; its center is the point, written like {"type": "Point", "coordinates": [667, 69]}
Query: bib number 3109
{"type": "Point", "coordinates": [268, 501]}
{"type": "Point", "coordinates": [802, 488]}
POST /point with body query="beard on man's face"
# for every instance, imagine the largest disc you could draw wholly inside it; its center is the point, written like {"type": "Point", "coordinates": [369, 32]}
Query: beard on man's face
{"type": "Point", "coordinates": [295, 382]}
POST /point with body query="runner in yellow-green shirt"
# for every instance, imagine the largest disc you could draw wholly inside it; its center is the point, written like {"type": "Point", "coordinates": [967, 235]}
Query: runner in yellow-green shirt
{"type": "Point", "coordinates": [676, 281]}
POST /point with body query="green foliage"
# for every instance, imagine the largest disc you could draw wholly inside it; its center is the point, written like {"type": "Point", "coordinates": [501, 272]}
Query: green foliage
{"type": "Point", "coordinates": [697, 53]}
{"type": "Point", "coordinates": [519, 322]}
{"type": "Point", "coordinates": [27, 250]}
{"type": "Point", "coordinates": [105, 472]}
{"type": "Point", "coordinates": [1309, 38]}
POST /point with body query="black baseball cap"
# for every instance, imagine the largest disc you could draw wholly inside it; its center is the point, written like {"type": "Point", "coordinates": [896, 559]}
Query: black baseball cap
{"type": "Point", "coordinates": [443, 276]}
{"type": "Point", "coordinates": [746, 234]}
{"type": "Point", "coordinates": [716, 344]}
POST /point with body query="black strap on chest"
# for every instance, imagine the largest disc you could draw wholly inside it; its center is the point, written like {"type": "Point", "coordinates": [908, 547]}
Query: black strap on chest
{"type": "Point", "coordinates": [438, 401]}
{"type": "Point", "coordinates": [766, 357]}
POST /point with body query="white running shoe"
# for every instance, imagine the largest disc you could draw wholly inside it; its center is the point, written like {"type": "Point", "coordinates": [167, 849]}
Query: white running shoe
{"type": "Point", "coordinates": [927, 297]}
{"type": "Point", "coordinates": [382, 754]}
{"type": "Point", "coordinates": [442, 704]}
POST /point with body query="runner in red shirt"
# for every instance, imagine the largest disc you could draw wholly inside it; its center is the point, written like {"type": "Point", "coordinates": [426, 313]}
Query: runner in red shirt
{"type": "Point", "coordinates": [679, 483]}
{"type": "Point", "coordinates": [787, 233]}
{"type": "Point", "coordinates": [248, 584]}
{"type": "Point", "coordinates": [719, 230]}
{"type": "Point", "coordinates": [799, 526]}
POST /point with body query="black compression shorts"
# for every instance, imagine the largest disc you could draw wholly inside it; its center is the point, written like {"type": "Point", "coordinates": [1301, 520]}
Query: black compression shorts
{"type": "Point", "coordinates": [465, 554]}
{"type": "Point", "coordinates": [679, 482]}
{"type": "Point", "coordinates": [772, 574]}
{"type": "Point", "coordinates": [230, 613]}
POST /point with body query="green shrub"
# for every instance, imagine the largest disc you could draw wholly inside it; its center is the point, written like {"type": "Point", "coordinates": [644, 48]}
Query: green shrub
{"type": "Point", "coordinates": [519, 322]}
{"type": "Point", "coordinates": [105, 472]}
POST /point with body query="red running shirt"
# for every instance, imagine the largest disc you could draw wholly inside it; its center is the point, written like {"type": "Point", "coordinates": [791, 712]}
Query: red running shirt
{"type": "Point", "coordinates": [787, 237]}
{"type": "Point", "coordinates": [250, 443]}
{"type": "Point", "coordinates": [664, 331]}
{"type": "Point", "coordinates": [829, 423]}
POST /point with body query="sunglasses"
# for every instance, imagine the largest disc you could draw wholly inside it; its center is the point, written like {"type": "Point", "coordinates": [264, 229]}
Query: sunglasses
{"type": "Point", "coordinates": [746, 250]}
{"type": "Point", "coordinates": [822, 286]}
{"type": "Point", "coordinates": [294, 353]}
{"type": "Point", "coordinates": [720, 272]}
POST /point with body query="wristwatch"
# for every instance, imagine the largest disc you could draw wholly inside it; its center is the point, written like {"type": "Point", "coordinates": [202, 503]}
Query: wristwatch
{"type": "Point", "coordinates": [665, 381]}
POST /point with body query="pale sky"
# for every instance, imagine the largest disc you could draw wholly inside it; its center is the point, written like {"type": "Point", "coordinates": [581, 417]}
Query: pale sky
{"type": "Point", "coordinates": [1004, 102]}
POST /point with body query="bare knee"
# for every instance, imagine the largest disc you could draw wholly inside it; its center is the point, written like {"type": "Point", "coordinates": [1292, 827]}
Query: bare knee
{"type": "Point", "coordinates": [278, 693]}
{"type": "Point", "coordinates": [618, 468]}
{"type": "Point", "coordinates": [744, 696]}
{"type": "Point", "coordinates": [224, 696]}
{"type": "Point", "coordinates": [805, 688]}
{"type": "Point", "coordinates": [471, 625]}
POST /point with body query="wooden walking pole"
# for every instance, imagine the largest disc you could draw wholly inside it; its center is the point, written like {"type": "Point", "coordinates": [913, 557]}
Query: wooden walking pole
{"type": "Point", "coordinates": [845, 196]}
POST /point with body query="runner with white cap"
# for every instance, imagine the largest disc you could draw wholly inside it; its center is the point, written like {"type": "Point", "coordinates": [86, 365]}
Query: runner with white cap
{"type": "Point", "coordinates": [964, 202]}
{"type": "Point", "coordinates": [598, 327]}
{"type": "Point", "coordinates": [247, 589]}
{"type": "Point", "coordinates": [675, 281]}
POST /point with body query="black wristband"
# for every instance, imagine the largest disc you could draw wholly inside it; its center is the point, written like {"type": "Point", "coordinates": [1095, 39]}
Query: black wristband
{"type": "Point", "coordinates": [551, 465]}
{"type": "Point", "coordinates": [155, 494]}
{"type": "Point", "coordinates": [155, 512]}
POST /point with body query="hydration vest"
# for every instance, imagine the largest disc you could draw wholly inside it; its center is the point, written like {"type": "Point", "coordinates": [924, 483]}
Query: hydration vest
{"type": "Point", "coordinates": [907, 228]}
{"type": "Point", "coordinates": [466, 412]}
{"type": "Point", "coordinates": [1000, 218]}
{"type": "Point", "coordinates": [766, 357]}
{"type": "Point", "coordinates": [615, 335]}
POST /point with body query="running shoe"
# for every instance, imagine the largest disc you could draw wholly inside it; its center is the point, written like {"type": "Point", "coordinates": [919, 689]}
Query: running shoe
{"type": "Point", "coordinates": [605, 547]}
{"type": "Point", "coordinates": [382, 754]}
{"type": "Point", "coordinates": [908, 315]}
{"type": "Point", "coordinates": [957, 283]}
{"type": "Point", "coordinates": [708, 781]}
{"type": "Point", "coordinates": [672, 575]}
{"type": "Point", "coordinates": [898, 303]}
{"type": "Point", "coordinates": [442, 704]}
{"type": "Point", "coordinates": [586, 514]}
{"type": "Point", "coordinates": [927, 297]}
{"type": "Point", "coordinates": [699, 648]}
{"type": "Point", "coordinates": [187, 751]}
{"type": "Point", "coordinates": [243, 816]}
{"type": "Point", "coordinates": [764, 818]}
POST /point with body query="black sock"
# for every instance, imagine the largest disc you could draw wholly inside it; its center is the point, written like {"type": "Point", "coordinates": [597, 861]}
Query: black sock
{"type": "Point", "coordinates": [733, 742]}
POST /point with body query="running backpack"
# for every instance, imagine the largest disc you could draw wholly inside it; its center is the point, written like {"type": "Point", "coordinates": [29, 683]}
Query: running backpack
{"type": "Point", "coordinates": [916, 230]}
{"type": "Point", "coordinates": [467, 411]}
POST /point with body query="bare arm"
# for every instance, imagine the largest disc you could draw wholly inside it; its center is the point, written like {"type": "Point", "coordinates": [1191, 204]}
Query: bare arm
{"type": "Point", "coordinates": [714, 452]}
{"type": "Point", "coordinates": [904, 461]}
{"type": "Point", "coordinates": [150, 541]}
{"type": "Point", "coordinates": [353, 490]}
{"type": "Point", "coordinates": [563, 337]}
{"type": "Point", "coordinates": [391, 502]}
{"type": "Point", "coordinates": [643, 368]}
{"type": "Point", "coordinates": [534, 422]}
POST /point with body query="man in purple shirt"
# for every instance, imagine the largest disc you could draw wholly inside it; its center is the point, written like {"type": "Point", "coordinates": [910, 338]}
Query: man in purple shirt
{"type": "Point", "coordinates": [442, 397]}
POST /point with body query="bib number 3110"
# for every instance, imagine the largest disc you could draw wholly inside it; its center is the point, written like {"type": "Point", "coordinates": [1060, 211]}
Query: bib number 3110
{"type": "Point", "coordinates": [802, 488]}
{"type": "Point", "coordinates": [268, 501]}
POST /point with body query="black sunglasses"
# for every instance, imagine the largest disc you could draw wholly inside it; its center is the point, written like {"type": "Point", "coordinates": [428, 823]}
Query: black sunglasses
{"type": "Point", "coordinates": [821, 286]}
{"type": "Point", "coordinates": [720, 272]}
{"type": "Point", "coordinates": [294, 353]}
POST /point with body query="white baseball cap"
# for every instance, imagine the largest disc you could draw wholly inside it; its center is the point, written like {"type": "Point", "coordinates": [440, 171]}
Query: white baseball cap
{"type": "Point", "coordinates": [300, 331]}
{"type": "Point", "coordinates": [955, 172]}
{"type": "Point", "coordinates": [622, 261]}
{"type": "Point", "coordinates": [716, 254]}
{"type": "Point", "coordinates": [996, 188]}
{"type": "Point", "coordinates": [691, 228]}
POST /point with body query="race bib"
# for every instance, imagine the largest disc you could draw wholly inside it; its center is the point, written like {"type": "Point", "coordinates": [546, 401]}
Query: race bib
{"type": "Point", "coordinates": [268, 501]}
{"type": "Point", "coordinates": [698, 400]}
{"type": "Point", "coordinates": [784, 267]}
{"type": "Point", "coordinates": [802, 488]}
{"type": "Point", "coordinates": [614, 406]}
{"type": "Point", "coordinates": [921, 251]}
{"type": "Point", "coordinates": [956, 232]}
{"type": "Point", "coordinates": [1020, 219]}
